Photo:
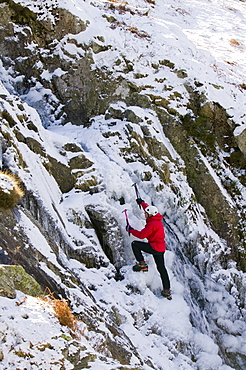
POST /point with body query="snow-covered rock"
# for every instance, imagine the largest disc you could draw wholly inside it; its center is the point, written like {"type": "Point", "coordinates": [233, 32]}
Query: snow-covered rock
{"type": "Point", "coordinates": [97, 96]}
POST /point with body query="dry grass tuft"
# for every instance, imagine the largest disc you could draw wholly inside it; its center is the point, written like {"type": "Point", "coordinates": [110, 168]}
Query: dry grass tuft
{"type": "Point", "coordinates": [10, 190]}
{"type": "Point", "coordinates": [137, 32]}
{"type": "Point", "coordinates": [234, 42]}
{"type": "Point", "coordinates": [63, 313]}
{"type": "Point", "coordinates": [118, 2]}
{"type": "Point", "coordinates": [242, 86]}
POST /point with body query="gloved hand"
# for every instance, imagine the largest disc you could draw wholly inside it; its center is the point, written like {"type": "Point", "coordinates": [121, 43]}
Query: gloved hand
{"type": "Point", "coordinates": [139, 201]}
{"type": "Point", "coordinates": [128, 228]}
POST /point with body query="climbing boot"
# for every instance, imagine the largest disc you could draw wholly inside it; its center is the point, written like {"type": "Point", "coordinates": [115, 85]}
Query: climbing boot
{"type": "Point", "coordinates": [167, 294]}
{"type": "Point", "coordinates": [140, 266]}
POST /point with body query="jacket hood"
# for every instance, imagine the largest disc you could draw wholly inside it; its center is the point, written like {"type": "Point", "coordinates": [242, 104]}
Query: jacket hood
{"type": "Point", "coordinates": [157, 217]}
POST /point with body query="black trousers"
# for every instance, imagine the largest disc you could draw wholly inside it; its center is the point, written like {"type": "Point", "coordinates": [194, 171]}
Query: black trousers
{"type": "Point", "coordinates": [138, 247]}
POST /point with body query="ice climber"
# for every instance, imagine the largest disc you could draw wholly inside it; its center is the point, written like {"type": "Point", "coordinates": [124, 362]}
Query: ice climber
{"type": "Point", "coordinates": [155, 234]}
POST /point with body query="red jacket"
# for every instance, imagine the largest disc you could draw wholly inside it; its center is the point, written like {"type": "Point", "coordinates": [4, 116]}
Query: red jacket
{"type": "Point", "coordinates": [153, 231]}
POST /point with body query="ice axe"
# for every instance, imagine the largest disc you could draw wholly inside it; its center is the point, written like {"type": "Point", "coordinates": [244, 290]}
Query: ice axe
{"type": "Point", "coordinates": [127, 219]}
{"type": "Point", "coordinates": [137, 192]}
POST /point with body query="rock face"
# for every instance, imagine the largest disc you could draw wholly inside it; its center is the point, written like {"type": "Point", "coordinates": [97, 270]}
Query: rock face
{"type": "Point", "coordinates": [108, 233]}
{"type": "Point", "coordinates": [15, 278]}
{"type": "Point", "coordinates": [241, 140]}
{"type": "Point", "coordinates": [78, 91]}
{"type": "Point", "coordinates": [75, 96]}
{"type": "Point", "coordinates": [194, 141]}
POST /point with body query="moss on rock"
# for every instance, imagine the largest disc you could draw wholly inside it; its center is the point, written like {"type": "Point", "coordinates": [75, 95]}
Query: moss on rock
{"type": "Point", "coordinates": [14, 278]}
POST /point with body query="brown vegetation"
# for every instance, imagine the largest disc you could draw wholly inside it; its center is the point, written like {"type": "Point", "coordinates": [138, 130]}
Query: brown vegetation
{"type": "Point", "coordinates": [63, 313]}
{"type": "Point", "coordinates": [10, 190]}
{"type": "Point", "coordinates": [234, 42]}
